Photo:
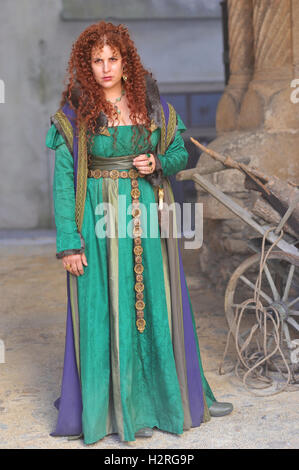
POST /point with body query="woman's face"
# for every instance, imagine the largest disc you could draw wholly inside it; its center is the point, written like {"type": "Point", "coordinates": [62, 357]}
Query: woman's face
{"type": "Point", "coordinates": [107, 66]}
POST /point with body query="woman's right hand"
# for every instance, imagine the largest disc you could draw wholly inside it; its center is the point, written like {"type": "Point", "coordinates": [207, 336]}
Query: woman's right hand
{"type": "Point", "coordinates": [73, 263]}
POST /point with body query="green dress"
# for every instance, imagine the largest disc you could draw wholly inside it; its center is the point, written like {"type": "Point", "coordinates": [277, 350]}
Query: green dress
{"type": "Point", "coordinates": [129, 379]}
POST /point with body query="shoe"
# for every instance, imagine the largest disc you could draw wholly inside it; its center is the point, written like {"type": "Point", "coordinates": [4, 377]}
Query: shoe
{"type": "Point", "coordinates": [220, 409]}
{"type": "Point", "coordinates": [75, 437]}
{"type": "Point", "coordinates": [144, 432]}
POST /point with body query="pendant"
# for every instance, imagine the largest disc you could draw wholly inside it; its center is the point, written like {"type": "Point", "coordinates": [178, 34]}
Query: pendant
{"type": "Point", "coordinates": [116, 101]}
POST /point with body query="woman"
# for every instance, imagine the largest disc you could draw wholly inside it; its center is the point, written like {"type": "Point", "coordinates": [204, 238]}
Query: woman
{"type": "Point", "coordinates": [132, 360]}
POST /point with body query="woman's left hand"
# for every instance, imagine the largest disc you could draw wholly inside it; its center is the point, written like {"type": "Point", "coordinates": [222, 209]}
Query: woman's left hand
{"type": "Point", "coordinates": [141, 163]}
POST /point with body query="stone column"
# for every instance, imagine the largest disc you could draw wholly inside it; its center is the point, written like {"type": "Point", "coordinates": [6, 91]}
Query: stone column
{"type": "Point", "coordinates": [260, 123]}
{"type": "Point", "coordinates": [241, 60]}
{"type": "Point", "coordinates": [267, 101]}
{"type": "Point", "coordinates": [295, 36]}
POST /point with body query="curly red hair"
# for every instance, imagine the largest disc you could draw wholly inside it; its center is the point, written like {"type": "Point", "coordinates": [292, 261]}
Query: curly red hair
{"type": "Point", "coordinates": [83, 92]}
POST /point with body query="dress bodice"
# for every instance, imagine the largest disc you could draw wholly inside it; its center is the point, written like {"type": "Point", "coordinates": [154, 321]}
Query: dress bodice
{"type": "Point", "coordinates": [121, 144]}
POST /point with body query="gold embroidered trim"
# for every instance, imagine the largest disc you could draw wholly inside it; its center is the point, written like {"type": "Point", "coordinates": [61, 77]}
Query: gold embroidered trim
{"type": "Point", "coordinates": [171, 125]}
{"type": "Point", "coordinates": [163, 133]}
{"type": "Point", "coordinates": [81, 176]}
{"type": "Point", "coordinates": [153, 126]}
{"type": "Point", "coordinates": [66, 127]}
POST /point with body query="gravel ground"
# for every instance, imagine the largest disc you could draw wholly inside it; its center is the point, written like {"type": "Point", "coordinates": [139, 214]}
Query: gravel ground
{"type": "Point", "coordinates": [32, 326]}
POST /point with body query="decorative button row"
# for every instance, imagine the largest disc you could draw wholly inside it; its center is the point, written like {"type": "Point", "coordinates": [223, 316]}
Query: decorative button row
{"type": "Point", "coordinates": [114, 174]}
{"type": "Point", "coordinates": [138, 251]}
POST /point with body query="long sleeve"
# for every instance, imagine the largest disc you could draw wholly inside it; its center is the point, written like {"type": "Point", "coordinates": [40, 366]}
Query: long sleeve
{"type": "Point", "coordinates": [68, 238]}
{"type": "Point", "coordinates": [176, 156]}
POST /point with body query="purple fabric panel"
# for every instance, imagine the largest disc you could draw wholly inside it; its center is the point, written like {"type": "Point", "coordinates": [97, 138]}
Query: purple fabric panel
{"type": "Point", "coordinates": [69, 404]}
{"type": "Point", "coordinates": [195, 388]}
{"type": "Point", "coordinates": [70, 114]}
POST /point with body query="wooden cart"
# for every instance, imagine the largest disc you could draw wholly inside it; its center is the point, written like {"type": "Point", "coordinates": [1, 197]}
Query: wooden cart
{"type": "Point", "coordinates": [262, 295]}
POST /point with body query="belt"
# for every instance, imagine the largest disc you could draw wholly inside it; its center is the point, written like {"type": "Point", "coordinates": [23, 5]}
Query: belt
{"type": "Point", "coordinates": [124, 162]}
{"type": "Point", "coordinates": [101, 167]}
{"type": "Point", "coordinates": [114, 174]}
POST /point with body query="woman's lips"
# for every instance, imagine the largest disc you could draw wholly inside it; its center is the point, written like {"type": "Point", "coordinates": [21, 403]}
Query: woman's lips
{"type": "Point", "coordinates": [107, 78]}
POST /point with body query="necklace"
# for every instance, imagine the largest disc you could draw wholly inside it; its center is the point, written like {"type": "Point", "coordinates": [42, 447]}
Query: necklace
{"type": "Point", "coordinates": [116, 101]}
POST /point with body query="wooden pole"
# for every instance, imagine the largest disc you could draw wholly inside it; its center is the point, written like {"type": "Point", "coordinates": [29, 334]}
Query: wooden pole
{"type": "Point", "coordinates": [228, 161]}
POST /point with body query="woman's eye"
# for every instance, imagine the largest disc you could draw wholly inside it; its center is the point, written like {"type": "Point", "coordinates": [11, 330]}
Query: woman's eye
{"type": "Point", "coordinates": [113, 59]}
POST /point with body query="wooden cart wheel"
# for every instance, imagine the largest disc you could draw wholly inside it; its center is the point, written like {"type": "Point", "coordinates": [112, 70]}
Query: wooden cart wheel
{"type": "Point", "coordinates": [279, 289]}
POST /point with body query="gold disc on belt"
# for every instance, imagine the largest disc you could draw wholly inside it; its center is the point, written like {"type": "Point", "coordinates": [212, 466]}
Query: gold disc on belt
{"type": "Point", "coordinates": [138, 268]}
{"type": "Point", "coordinates": [135, 193]}
{"type": "Point", "coordinates": [140, 322]}
{"type": "Point", "coordinates": [139, 296]}
{"type": "Point", "coordinates": [97, 173]}
{"type": "Point", "coordinates": [136, 212]}
{"type": "Point", "coordinates": [139, 286]}
{"type": "Point", "coordinates": [139, 278]}
{"type": "Point", "coordinates": [139, 305]}
{"type": "Point", "coordinates": [138, 250]}
{"type": "Point", "coordinates": [133, 173]}
{"type": "Point", "coordinates": [105, 173]}
{"type": "Point", "coordinates": [134, 184]}
{"type": "Point", "coordinates": [114, 174]}
{"type": "Point", "coordinates": [124, 174]}
{"type": "Point", "coordinates": [138, 259]}
{"type": "Point", "coordinates": [137, 231]}
{"type": "Point", "coordinates": [137, 241]}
